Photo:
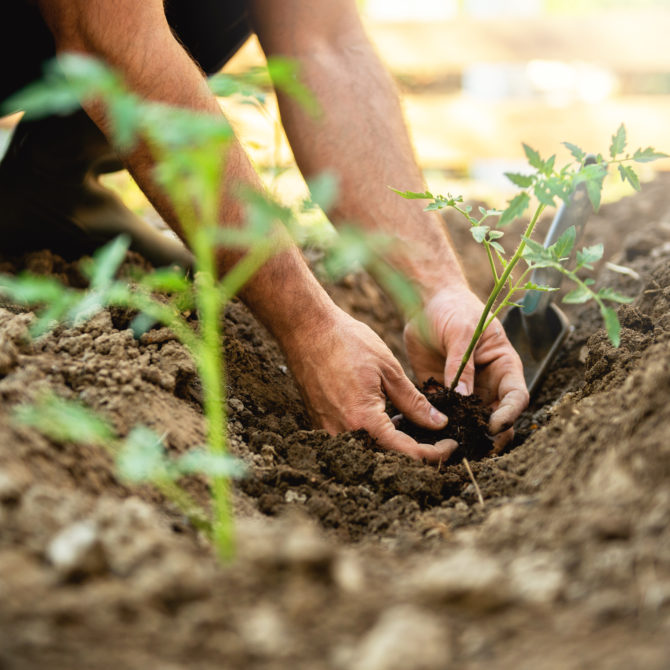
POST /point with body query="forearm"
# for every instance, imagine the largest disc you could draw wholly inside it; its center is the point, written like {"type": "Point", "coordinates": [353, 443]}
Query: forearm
{"type": "Point", "coordinates": [283, 294]}
{"type": "Point", "coordinates": [361, 137]}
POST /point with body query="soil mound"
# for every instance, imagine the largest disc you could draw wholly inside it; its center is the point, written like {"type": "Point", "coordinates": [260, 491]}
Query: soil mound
{"type": "Point", "coordinates": [349, 558]}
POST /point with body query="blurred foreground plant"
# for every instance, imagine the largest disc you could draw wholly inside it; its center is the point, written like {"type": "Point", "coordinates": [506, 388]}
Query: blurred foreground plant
{"type": "Point", "coordinates": [190, 152]}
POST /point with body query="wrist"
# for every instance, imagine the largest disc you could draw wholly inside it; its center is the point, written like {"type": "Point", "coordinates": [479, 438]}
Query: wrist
{"type": "Point", "coordinates": [288, 300]}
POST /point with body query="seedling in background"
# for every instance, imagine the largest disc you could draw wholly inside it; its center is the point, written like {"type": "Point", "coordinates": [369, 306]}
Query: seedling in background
{"type": "Point", "coordinates": [546, 183]}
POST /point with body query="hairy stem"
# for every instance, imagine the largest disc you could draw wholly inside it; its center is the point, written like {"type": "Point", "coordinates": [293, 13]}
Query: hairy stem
{"type": "Point", "coordinates": [497, 288]}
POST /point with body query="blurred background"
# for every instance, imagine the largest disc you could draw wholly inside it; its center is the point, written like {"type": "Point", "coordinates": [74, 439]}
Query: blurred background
{"type": "Point", "coordinates": [479, 77]}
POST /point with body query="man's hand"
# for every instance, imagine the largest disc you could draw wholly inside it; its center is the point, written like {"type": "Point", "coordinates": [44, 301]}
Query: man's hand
{"type": "Point", "coordinates": [494, 372]}
{"type": "Point", "coordinates": [345, 373]}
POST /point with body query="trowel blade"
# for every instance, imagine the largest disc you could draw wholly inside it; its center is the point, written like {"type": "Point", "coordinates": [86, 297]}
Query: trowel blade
{"type": "Point", "coordinates": [536, 339]}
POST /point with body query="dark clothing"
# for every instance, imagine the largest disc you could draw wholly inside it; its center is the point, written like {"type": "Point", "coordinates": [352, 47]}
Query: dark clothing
{"type": "Point", "coordinates": [210, 30]}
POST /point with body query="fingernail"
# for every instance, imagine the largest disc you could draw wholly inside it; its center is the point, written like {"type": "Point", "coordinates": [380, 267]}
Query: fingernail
{"type": "Point", "coordinates": [438, 419]}
{"type": "Point", "coordinates": [445, 448]}
{"type": "Point", "coordinates": [462, 388]}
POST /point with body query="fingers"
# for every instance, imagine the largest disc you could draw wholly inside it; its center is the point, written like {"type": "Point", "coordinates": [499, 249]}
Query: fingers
{"type": "Point", "coordinates": [384, 432]}
{"type": "Point", "coordinates": [501, 440]}
{"type": "Point", "coordinates": [414, 405]}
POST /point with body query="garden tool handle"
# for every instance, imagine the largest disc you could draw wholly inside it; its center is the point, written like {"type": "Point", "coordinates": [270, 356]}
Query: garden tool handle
{"type": "Point", "coordinates": [574, 213]}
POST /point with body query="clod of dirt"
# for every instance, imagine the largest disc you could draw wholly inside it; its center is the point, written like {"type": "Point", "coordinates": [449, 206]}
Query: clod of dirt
{"type": "Point", "coordinates": [468, 422]}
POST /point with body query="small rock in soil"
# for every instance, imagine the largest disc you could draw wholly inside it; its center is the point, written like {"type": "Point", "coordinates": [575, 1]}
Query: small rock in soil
{"type": "Point", "coordinates": [404, 636]}
{"type": "Point", "coordinates": [466, 576]}
{"type": "Point", "coordinates": [77, 551]}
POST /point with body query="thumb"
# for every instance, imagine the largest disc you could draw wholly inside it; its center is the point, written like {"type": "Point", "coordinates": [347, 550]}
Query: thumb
{"type": "Point", "coordinates": [413, 404]}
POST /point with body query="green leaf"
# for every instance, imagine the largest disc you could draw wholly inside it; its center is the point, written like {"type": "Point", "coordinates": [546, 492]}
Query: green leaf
{"type": "Point", "coordinates": [30, 290]}
{"type": "Point", "coordinates": [533, 158]}
{"type": "Point", "coordinates": [498, 247]}
{"type": "Point", "coordinates": [65, 421]}
{"type": "Point", "coordinates": [618, 141]}
{"type": "Point", "coordinates": [648, 155]}
{"type": "Point", "coordinates": [479, 233]}
{"type": "Point", "coordinates": [628, 174]}
{"type": "Point", "coordinates": [520, 180]}
{"type": "Point", "coordinates": [578, 295]}
{"type": "Point", "coordinates": [323, 190]}
{"type": "Point", "coordinates": [576, 152]}
{"type": "Point", "coordinates": [592, 176]}
{"type": "Point", "coordinates": [563, 246]}
{"type": "Point", "coordinates": [608, 293]}
{"type": "Point", "coordinates": [106, 262]}
{"type": "Point", "coordinates": [142, 456]}
{"type": "Point", "coordinates": [285, 75]}
{"type": "Point", "coordinates": [612, 325]}
{"type": "Point", "coordinates": [201, 461]}
{"type": "Point", "coordinates": [167, 280]}
{"type": "Point", "coordinates": [515, 208]}
{"type": "Point", "coordinates": [544, 194]}
{"type": "Point", "coordinates": [594, 190]}
{"type": "Point", "coordinates": [141, 324]}
{"type": "Point", "coordinates": [413, 195]}
{"type": "Point", "coordinates": [589, 255]}
{"type": "Point", "coordinates": [495, 234]}
{"type": "Point", "coordinates": [534, 253]}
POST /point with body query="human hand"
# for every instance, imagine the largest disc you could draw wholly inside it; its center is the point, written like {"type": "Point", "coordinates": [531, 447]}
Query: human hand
{"type": "Point", "coordinates": [436, 345]}
{"type": "Point", "coordinates": [345, 373]}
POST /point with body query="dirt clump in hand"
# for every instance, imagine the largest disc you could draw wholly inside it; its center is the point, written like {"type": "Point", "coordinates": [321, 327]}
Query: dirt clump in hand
{"type": "Point", "coordinates": [468, 422]}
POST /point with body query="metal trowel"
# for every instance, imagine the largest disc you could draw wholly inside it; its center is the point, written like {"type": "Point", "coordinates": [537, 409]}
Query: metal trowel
{"type": "Point", "coordinates": [537, 327]}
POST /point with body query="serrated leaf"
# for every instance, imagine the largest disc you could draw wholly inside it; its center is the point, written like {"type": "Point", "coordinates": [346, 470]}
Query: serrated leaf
{"type": "Point", "coordinates": [495, 234]}
{"type": "Point", "coordinates": [479, 233]}
{"type": "Point", "coordinates": [618, 141]}
{"type": "Point", "coordinates": [648, 155]}
{"type": "Point", "coordinates": [592, 176]}
{"type": "Point", "coordinates": [520, 180]}
{"type": "Point", "coordinates": [576, 152]}
{"type": "Point", "coordinates": [549, 165]}
{"type": "Point", "coordinates": [589, 255]}
{"type": "Point", "coordinates": [594, 190]}
{"type": "Point", "coordinates": [544, 194]}
{"type": "Point", "coordinates": [612, 325]}
{"type": "Point", "coordinates": [515, 208]}
{"type": "Point", "coordinates": [498, 247]}
{"type": "Point", "coordinates": [608, 293]}
{"type": "Point", "coordinates": [577, 296]}
{"type": "Point", "coordinates": [563, 245]}
{"type": "Point", "coordinates": [533, 158]}
{"type": "Point", "coordinates": [628, 174]}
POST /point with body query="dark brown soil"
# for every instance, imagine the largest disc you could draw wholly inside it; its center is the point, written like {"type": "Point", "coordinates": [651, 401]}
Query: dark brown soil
{"type": "Point", "coordinates": [468, 423]}
{"type": "Point", "coordinates": [349, 558]}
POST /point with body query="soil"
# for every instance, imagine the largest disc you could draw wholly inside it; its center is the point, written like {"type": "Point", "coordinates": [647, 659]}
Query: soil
{"type": "Point", "coordinates": [349, 558]}
{"type": "Point", "coordinates": [468, 422]}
